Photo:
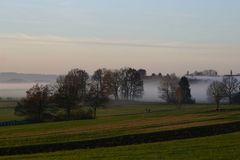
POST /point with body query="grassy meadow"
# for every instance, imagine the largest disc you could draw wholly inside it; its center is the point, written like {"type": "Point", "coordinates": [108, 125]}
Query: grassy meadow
{"type": "Point", "coordinates": [222, 147]}
{"type": "Point", "coordinates": [116, 121]}
{"type": "Point", "coordinates": [7, 111]}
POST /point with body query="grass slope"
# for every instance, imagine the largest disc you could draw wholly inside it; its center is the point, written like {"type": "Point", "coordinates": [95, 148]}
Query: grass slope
{"type": "Point", "coordinates": [116, 121]}
{"type": "Point", "coordinates": [216, 147]}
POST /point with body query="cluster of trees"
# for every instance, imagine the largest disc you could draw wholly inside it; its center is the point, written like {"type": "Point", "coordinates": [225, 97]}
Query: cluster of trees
{"type": "Point", "coordinates": [78, 89]}
{"type": "Point", "coordinates": [175, 90]}
{"type": "Point", "coordinates": [66, 99]}
{"type": "Point", "coordinates": [228, 88]}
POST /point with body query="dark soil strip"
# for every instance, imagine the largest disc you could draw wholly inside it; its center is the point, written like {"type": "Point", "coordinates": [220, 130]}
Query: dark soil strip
{"type": "Point", "coordinates": [193, 132]}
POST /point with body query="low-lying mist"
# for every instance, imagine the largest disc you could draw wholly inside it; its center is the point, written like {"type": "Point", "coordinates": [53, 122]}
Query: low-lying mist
{"type": "Point", "coordinates": [198, 85]}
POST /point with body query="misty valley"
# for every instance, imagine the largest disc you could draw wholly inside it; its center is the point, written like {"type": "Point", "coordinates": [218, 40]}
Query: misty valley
{"type": "Point", "coordinates": [198, 85]}
{"type": "Point", "coordinates": [119, 80]}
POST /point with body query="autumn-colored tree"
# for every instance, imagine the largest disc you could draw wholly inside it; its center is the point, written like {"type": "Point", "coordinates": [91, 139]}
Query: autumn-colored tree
{"type": "Point", "coordinates": [103, 80]}
{"type": "Point", "coordinates": [71, 90]}
{"type": "Point", "coordinates": [35, 104]}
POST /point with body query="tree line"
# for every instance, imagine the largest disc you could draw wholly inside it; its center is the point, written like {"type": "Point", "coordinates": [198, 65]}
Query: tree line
{"type": "Point", "coordinates": [66, 99]}
{"type": "Point", "coordinates": [175, 90]}
{"type": "Point", "coordinates": [77, 95]}
{"type": "Point", "coordinates": [228, 88]}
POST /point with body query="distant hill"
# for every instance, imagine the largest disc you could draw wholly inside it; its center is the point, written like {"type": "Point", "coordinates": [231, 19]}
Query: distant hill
{"type": "Point", "coordinates": [12, 77]}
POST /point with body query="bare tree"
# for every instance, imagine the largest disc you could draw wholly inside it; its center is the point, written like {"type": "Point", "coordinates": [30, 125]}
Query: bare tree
{"type": "Point", "coordinates": [231, 86]}
{"type": "Point", "coordinates": [168, 87]}
{"type": "Point", "coordinates": [71, 89]}
{"type": "Point", "coordinates": [103, 79]}
{"type": "Point", "coordinates": [216, 91]}
{"type": "Point", "coordinates": [132, 84]}
{"type": "Point", "coordinates": [95, 97]}
{"type": "Point", "coordinates": [116, 83]}
{"type": "Point", "coordinates": [98, 78]}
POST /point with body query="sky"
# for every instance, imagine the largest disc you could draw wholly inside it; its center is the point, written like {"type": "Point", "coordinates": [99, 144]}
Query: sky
{"type": "Point", "coordinates": [54, 36]}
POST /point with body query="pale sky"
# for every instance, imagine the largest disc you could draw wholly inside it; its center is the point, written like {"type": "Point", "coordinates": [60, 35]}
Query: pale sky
{"type": "Point", "coordinates": [53, 36]}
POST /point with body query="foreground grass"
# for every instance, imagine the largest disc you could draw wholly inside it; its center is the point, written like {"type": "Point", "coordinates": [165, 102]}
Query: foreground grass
{"type": "Point", "coordinates": [119, 120]}
{"type": "Point", "coordinates": [216, 147]}
{"type": "Point", "coordinates": [7, 111]}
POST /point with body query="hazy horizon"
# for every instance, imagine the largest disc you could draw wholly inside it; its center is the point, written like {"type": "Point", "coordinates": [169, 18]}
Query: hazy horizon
{"type": "Point", "coordinates": [148, 72]}
{"type": "Point", "coordinates": [52, 37]}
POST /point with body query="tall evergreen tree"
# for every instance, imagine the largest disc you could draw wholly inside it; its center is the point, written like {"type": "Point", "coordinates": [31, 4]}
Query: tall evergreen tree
{"type": "Point", "coordinates": [186, 91]}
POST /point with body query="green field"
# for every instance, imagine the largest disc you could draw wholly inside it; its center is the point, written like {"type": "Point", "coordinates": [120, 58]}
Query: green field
{"type": "Point", "coordinates": [124, 120]}
{"type": "Point", "coordinates": [223, 147]}
{"type": "Point", "coordinates": [7, 111]}
{"type": "Point", "coordinates": [115, 121]}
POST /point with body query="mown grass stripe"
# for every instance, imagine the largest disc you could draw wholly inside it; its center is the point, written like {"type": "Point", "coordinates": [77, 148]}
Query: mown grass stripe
{"type": "Point", "coordinates": [200, 131]}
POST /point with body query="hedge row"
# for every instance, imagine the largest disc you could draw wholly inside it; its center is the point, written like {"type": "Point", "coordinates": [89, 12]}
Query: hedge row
{"type": "Point", "coordinates": [200, 131]}
{"type": "Point", "coordinates": [13, 123]}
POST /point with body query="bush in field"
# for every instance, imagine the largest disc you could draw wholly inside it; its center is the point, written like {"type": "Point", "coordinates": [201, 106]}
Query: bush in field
{"type": "Point", "coordinates": [82, 114]}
